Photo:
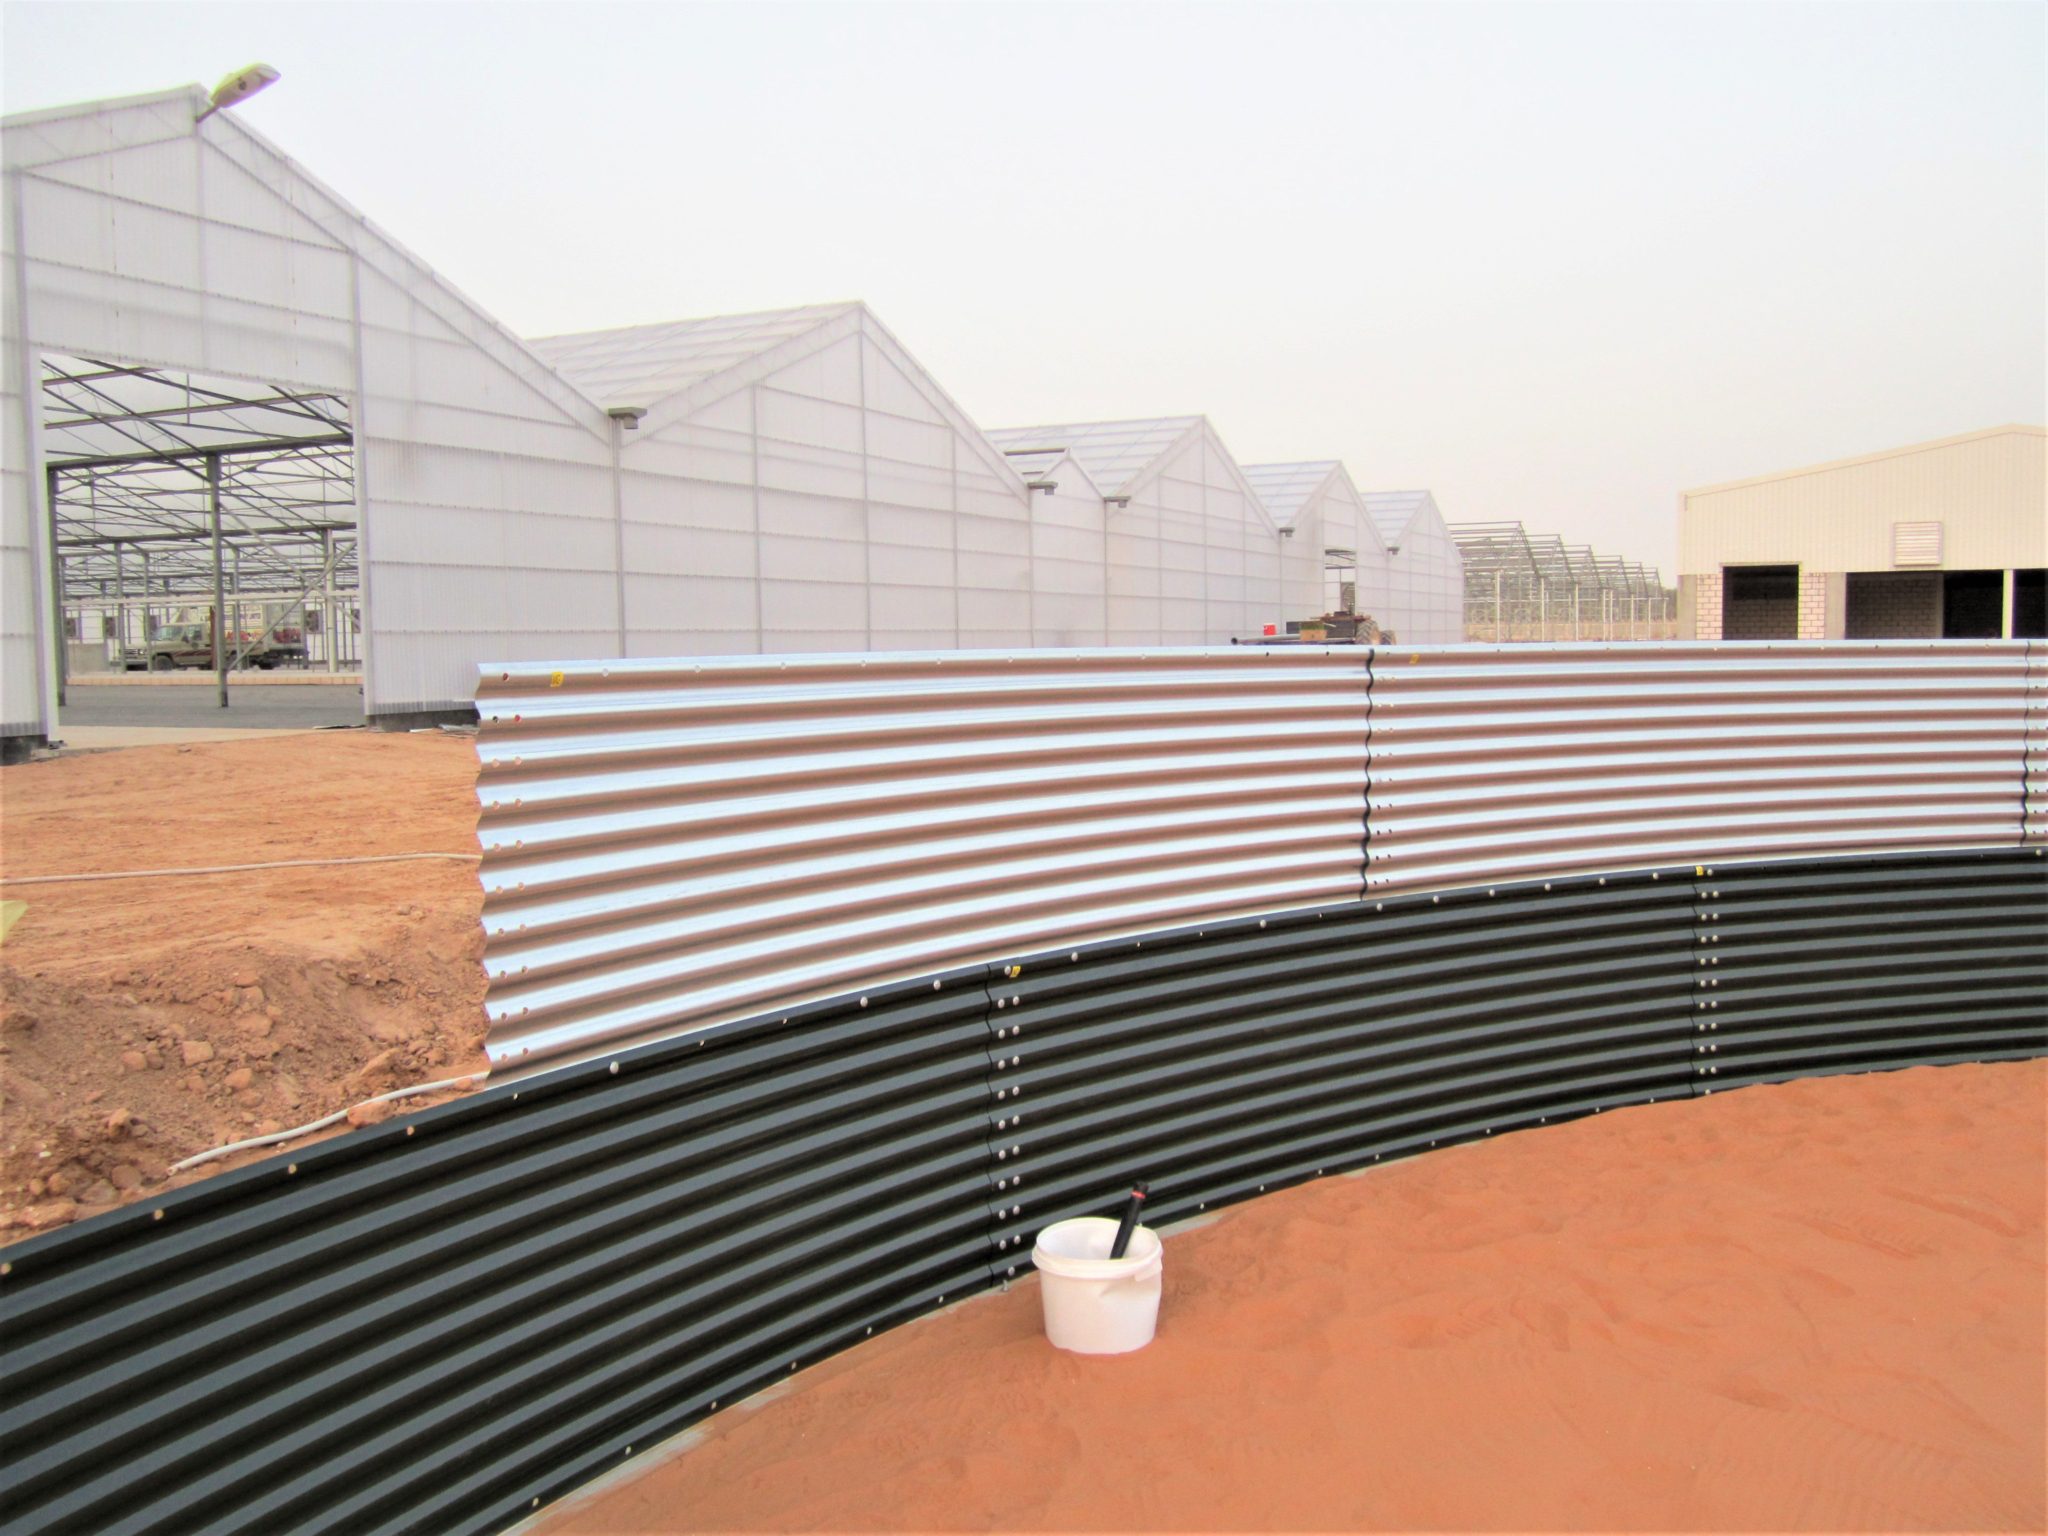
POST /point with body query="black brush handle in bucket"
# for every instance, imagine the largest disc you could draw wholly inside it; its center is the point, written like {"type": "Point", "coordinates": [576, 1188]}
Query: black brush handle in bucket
{"type": "Point", "coordinates": [1130, 1222]}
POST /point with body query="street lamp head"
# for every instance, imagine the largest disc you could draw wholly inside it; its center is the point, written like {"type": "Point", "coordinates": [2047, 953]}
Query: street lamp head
{"type": "Point", "coordinates": [239, 87]}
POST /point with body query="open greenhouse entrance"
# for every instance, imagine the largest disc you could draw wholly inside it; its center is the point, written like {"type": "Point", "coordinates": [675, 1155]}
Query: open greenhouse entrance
{"type": "Point", "coordinates": [198, 523]}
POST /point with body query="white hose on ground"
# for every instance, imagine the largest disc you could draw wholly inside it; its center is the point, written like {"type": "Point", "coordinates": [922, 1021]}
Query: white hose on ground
{"type": "Point", "coordinates": [324, 1121]}
{"type": "Point", "coordinates": [234, 869]}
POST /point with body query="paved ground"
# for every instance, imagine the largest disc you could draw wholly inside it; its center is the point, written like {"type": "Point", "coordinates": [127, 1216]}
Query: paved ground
{"type": "Point", "coordinates": [271, 708]}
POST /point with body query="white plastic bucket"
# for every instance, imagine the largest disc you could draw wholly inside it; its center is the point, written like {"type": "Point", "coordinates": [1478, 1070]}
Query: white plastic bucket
{"type": "Point", "coordinates": [1096, 1305]}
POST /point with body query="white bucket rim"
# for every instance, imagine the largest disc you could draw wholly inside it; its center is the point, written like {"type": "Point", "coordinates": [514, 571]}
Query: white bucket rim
{"type": "Point", "coordinates": [1145, 1257]}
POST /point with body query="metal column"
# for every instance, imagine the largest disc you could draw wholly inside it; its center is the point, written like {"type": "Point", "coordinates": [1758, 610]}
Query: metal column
{"type": "Point", "coordinates": [220, 654]}
{"type": "Point", "coordinates": [62, 633]}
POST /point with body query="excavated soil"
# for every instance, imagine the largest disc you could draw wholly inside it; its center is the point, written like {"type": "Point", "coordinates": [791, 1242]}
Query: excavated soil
{"type": "Point", "coordinates": [142, 1021]}
{"type": "Point", "coordinates": [1814, 1307]}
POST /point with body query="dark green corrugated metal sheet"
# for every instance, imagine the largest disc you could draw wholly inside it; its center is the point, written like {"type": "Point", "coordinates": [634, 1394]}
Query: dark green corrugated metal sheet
{"type": "Point", "coordinates": [433, 1324]}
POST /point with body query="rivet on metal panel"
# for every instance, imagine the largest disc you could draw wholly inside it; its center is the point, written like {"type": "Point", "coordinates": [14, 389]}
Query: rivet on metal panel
{"type": "Point", "coordinates": [291, 1168]}
{"type": "Point", "coordinates": [1434, 900]}
{"type": "Point", "coordinates": [1016, 1151]}
{"type": "Point", "coordinates": [999, 1002]}
{"type": "Point", "coordinates": [935, 986]}
{"type": "Point", "coordinates": [1546, 885]}
{"type": "Point", "coordinates": [410, 1129]}
{"type": "Point", "coordinates": [1014, 971]}
{"type": "Point", "coordinates": [1262, 922]}
{"type": "Point", "coordinates": [627, 1451]}
{"type": "Point", "coordinates": [1000, 1155]}
{"type": "Point", "coordinates": [614, 1069]}
{"type": "Point", "coordinates": [1000, 1032]}
{"type": "Point", "coordinates": [159, 1215]}
{"type": "Point", "coordinates": [1011, 1270]}
{"type": "Point", "coordinates": [863, 1002]}
{"type": "Point", "coordinates": [1015, 1001]}
{"type": "Point", "coordinates": [1603, 879]}
{"type": "Point", "coordinates": [1076, 955]}
{"type": "Point", "coordinates": [1491, 892]}
{"type": "Point", "coordinates": [1016, 1179]}
{"type": "Point", "coordinates": [1000, 1092]}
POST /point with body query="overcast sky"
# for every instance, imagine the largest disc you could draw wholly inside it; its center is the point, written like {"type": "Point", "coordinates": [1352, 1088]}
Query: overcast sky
{"type": "Point", "coordinates": [1555, 262]}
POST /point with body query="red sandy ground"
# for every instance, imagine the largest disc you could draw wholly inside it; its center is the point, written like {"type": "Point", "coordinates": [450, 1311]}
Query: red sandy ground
{"type": "Point", "coordinates": [1809, 1307]}
{"type": "Point", "coordinates": [142, 1021]}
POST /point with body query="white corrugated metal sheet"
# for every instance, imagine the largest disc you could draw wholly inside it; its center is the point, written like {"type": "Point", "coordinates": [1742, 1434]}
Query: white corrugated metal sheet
{"type": "Point", "coordinates": [667, 844]}
{"type": "Point", "coordinates": [1528, 761]}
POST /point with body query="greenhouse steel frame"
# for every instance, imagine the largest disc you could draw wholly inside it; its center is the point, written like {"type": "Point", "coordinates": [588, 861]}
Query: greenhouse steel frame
{"type": "Point", "coordinates": [1522, 586]}
{"type": "Point", "coordinates": [171, 492]}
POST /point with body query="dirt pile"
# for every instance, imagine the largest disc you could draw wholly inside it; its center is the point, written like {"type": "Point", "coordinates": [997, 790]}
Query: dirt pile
{"type": "Point", "coordinates": [142, 1021]}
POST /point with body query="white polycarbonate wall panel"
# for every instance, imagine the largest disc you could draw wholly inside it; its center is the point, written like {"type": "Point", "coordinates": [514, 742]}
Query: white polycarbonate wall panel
{"type": "Point", "coordinates": [1425, 584]}
{"type": "Point", "coordinates": [22, 657]}
{"type": "Point", "coordinates": [1523, 762]}
{"type": "Point", "coordinates": [831, 502]}
{"type": "Point", "coordinates": [484, 481]}
{"type": "Point", "coordinates": [672, 843]}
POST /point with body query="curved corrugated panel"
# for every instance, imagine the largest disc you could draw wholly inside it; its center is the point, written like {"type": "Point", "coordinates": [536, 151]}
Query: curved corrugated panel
{"type": "Point", "coordinates": [432, 1327]}
{"type": "Point", "coordinates": [1219, 1064]}
{"type": "Point", "coordinates": [1502, 764]}
{"type": "Point", "coordinates": [1845, 965]}
{"type": "Point", "coordinates": [2035, 769]}
{"type": "Point", "coordinates": [668, 844]}
{"type": "Point", "coordinates": [435, 1325]}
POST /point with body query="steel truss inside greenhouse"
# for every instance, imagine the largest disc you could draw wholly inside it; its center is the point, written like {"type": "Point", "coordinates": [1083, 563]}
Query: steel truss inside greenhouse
{"type": "Point", "coordinates": [1533, 586]}
{"type": "Point", "coordinates": [174, 497]}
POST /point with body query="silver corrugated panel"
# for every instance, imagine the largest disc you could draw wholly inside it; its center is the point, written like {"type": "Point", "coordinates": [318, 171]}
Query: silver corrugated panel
{"type": "Point", "coordinates": [671, 844]}
{"type": "Point", "coordinates": [2036, 769]}
{"type": "Point", "coordinates": [1528, 761]}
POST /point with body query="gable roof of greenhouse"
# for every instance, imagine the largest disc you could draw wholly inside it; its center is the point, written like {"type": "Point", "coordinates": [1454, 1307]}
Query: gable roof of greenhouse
{"type": "Point", "coordinates": [1287, 488]}
{"type": "Point", "coordinates": [1116, 454]}
{"type": "Point", "coordinates": [1393, 512]}
{"type": "Point", "coordinates": [642, 364]}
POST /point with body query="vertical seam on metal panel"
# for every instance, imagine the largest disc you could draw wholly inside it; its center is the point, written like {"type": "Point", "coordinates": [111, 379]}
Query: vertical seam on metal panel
{"type": "Point", "coordinates": [1702, 1022]}
{"type": "Point", "coordinates": [1365, 817]}
{"type": "Point", "coordinates": [995, 1242]}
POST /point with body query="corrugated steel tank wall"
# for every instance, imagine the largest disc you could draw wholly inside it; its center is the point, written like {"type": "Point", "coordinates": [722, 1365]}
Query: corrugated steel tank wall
{"type": "Point", "coordinates": [674, 843]}
{"type": "Point", "coordinates": [439, 1324]}
{"type": "Point", "coordinates": [669, 843]}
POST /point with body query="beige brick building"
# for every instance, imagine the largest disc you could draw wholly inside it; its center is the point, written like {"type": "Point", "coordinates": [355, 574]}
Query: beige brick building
{"type": "Point", "coordinates": [1941, 539]}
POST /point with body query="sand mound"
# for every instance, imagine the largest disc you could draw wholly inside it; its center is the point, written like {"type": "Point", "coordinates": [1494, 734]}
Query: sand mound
{"type": "Point", "coordinates": [1817, 1306]}
{"type": "Point", "coordinates": [142, 1021]}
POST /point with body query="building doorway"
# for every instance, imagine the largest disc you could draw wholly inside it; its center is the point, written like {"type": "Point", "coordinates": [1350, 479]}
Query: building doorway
{"type": "Point", "coordinates": [1760, 602]}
